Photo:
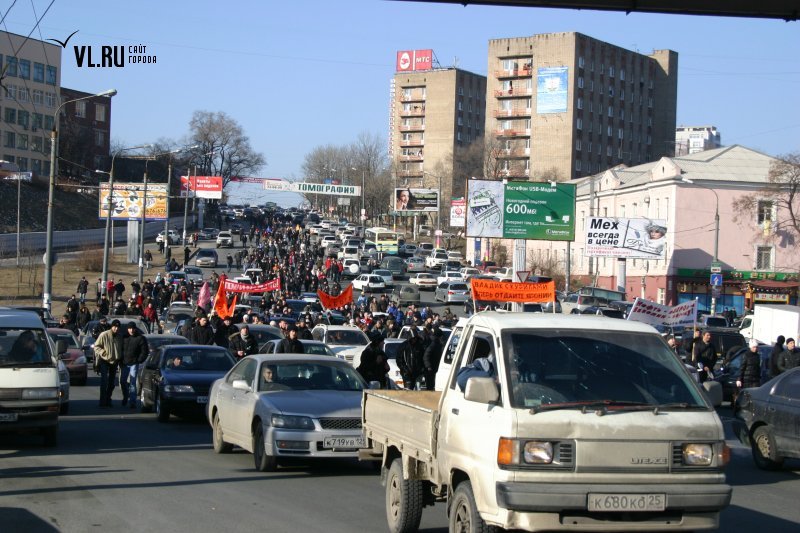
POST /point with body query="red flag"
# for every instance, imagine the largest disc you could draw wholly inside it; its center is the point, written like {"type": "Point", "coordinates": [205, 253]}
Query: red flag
{"type": "Point", "coordinates": [221, 300]}
{"type": "Point", "coordinates": [232, 307]}
{"type": "Point", "coordinates": [332, 302]}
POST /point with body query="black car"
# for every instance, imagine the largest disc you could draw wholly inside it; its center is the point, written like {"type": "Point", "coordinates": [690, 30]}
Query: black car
{"type": "Point", "coordinates": [177, 378]}
{"type": "Point", "coordinates": [726, 371]}
{"type": "Point", "coordinates": [767, 419]}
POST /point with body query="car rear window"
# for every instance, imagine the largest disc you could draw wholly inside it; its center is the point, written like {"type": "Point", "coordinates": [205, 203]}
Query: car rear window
{"type": "Point", "coordinates": [458, 286]}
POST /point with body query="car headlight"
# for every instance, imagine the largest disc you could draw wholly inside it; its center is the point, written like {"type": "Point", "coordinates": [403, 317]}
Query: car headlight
{"type": "Point", "coordinates": [697, 454]}
{"type": "Point", "coordinates": [39, 394]}
{"type": "Point", "coordinates": [537, 452]}
{"type": "Point", "coordinates": [292, 422]}
{"type": "Point", "coordinates": [81, 360]}
{"type": "Point", "coordinates": [178, 388]}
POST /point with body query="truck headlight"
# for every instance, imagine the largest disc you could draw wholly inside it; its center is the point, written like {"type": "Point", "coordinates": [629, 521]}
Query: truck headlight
{"type": "Point", "coordinates": [292, 422]}
{"type": "Point", "coordinates": [178, 388]}
{"type": "Point", "coordinates": [537, 452]}
{"type": "Point", "coordinates": [39, 394]}
{"type": "Point", "coordinates": [697, 454]}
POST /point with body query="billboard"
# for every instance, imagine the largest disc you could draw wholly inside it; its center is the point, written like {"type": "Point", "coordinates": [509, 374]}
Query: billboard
{"type": "Point", "coordinates": [312, 188]}
{"type": "Point", "coordinates": [458, 208]}
{"type": "Point", "coordinates": [406, 200]}
{"type": "Point", "coordinates": [521, 210]}
{"type": "Point", "coordinates": [551, 90]}
{"type": "Point", "coordinates": [126, 203]}
{"type": "Point", "coordinates": [202, 186]}
{"type": "Point", "coordinates": [414, 60]}
{"type": "Point", "coordinates": [631, 238]}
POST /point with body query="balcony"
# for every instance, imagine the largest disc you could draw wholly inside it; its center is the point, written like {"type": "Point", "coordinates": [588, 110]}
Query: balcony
{"type": "Point", "coordinates": [517, 112]}
{"type": "Point", "coordinates": [514, 153]}
{"type": "Point", "coordinates": [512, 133]}
{"type": "Point", "coordinates": [412, 98]}
{"type": "Point", "coordinates": [410, 173]}
{"type": "Point", "coordinates": [513, 92]}
{"type": "Point", "coordinates": [411, 157]}
{"type": "Point", "coordinates": [412, 142]}
{"type": "Point", "coordinates": [524, 72]}
{"type": "Point", "coordinates": [412, 127]}
{"type": "Point", "coordinates": [415, 111]}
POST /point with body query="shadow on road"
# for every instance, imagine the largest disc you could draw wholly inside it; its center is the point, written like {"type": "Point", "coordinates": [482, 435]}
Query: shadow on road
{"type": "Point", "coordinates": [16, 519]}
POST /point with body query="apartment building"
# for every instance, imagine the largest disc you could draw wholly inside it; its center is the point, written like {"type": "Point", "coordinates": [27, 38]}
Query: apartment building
{"type": "Point", "coordinates": [85, 131]}
{"type": "Point", "coordinates": [565, 105]}
{"type": "Point", "coordinates": [31, 81]}
{"type": "Point", "coordinates": [693, 139]}
{"type": "Point", "coordinates": [434, 113]}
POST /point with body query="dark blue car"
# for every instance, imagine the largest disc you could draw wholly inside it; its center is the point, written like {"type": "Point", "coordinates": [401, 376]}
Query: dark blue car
{"type": "Point", "coordinates": [176, 378]}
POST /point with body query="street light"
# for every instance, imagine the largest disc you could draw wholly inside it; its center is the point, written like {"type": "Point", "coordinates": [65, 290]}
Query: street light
{"type": "Point", "coordinates": [48, 268]}
{"type": "Point", "coordinates": [104, 280]}
{"type": "Point", "coordinates": [716, 236]}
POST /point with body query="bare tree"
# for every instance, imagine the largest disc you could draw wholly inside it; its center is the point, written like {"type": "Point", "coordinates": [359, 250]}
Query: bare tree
{"type": "Point", "coordinates": [781, 195]}
{"type": "Point", "coordinates": [223, 148]}
{"type": "Point", "coordinates": [491, 157]}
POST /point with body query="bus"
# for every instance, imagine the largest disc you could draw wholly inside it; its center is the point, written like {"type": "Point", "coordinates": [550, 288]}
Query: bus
{"type": "Point", "coordinates": [386, 241]}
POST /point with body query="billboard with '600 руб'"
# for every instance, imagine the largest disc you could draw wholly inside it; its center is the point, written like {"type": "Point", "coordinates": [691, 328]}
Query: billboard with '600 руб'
{"type": "Point", "coordinates": [521, 210]}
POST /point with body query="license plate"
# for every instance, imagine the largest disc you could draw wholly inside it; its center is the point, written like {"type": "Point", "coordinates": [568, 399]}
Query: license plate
{"type": "Point", "coordinates": [627, 502]}
{"type": "Point", "coordinates": [202, 399]}
{"type": "Point", "coordinates": [343, 442]}
{"type": "Point", "coordinates": [8, 417]}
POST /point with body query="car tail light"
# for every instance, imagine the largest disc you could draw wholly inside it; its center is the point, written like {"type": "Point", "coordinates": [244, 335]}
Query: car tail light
{"type": "Point", "coordinates": [450, 292]}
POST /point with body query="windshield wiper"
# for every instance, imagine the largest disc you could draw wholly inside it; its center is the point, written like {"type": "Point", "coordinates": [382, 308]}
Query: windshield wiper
{"type": "Point", "coordinates": [600, 406]}
{"type": "Point", "coordinates": [677, 405]}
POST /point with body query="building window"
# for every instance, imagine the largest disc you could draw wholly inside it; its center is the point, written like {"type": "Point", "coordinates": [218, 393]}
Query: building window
{"type": "Point", "coordinates": [622, 94]}
{"type": "Point", "coordinates": [610, 131]}
{"type": "Point", "coordinates": [591, 85]}
{"type": "Point", "coordinates": [650, 103]}
{"type": "Point", "coordinates": [50, 99]}
{"type": "Point", "coordinates": [590, 147]}
{"type": "Point", "coordinates": [611, 111]}
{"type": "Point", "coordinates": [649, 140]}
{"type": "Point", "coordinates": [650, 85]}
{"type": "Point", "coordinates": [622, 74]}
{"type": "Point", "coordinates": [764, 212]}
{"type": "Point", "coordinates": [608, 153]}
{"type": "Point", "coordinates": [580, 103]}
{"type": "Point", "coordinates": [38, 97]}
{"type": "Point", "coordinates": [22, 163]}
{"type": "Point", "coordinates": [10, 141]}
{"type": "Point", "coordinates": [99, 138]}
{"type": "Point", "coordinates": [622, 114]}
{"type": "Point", "coordinates": [38, 121]}
{"type": "Point", "coordinates": [23, 94]}
{"type": "Point", "coordinates": [36, 166]}
{"type": "Point", "coordinates": [24, 69]}
{"type": "Point", "coordinates": [764, 258]}
{"type": "Point", "coordinates": [580, 82]}
{"type": "Point", "coordinates": [38, 72]}
{"type": "Point", "coordinates": [611, 71]}
{"type": "Point", "coordinates": [580, 62]}
{"type": "Point", "coordinates": [578, 144]}
{"type": "Point", "coordinates": [22, 142]}
{"type": "Point", "coordinates": [577, 164]}
{"type": "Point", "coordinates": [45, 167]}
{"type": "Point", "coordinates": [24, 118]}
{"type": "Point", "coordinates": [11, 92]}
{"type": "Point", "coordinates": [48, 122]}
{"type": "Point", "coordinates": [50, 79]}
{"type": "Point", "coordinates": [610, 91]}
{"type": "Point", "coordinates": [80, 109]}
{"type": "Point", "coordinates": [37, 144]}
{"type": "Point", "coordinates": [11, 66]}
{"type": "Point", "coordinates": [620, 133]}
{"type": "Point", "coordinates": [11, 115]}
{"type": "Point", "coordinates": [579, 124]}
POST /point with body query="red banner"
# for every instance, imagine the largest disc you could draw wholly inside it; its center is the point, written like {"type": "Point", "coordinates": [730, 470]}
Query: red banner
{"type": "Point", "coordinates": [333, 302]}
{"type": "Point", "coordinates": [269, 286]}
{"type": "Point", "coordinates": [503, 291]}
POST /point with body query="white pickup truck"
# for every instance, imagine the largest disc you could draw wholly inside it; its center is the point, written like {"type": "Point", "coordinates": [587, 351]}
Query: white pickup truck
{"type": "Point", "coordinates": [586, 423]}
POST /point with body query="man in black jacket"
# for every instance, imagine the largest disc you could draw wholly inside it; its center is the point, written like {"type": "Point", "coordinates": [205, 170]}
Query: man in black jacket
{"type": "Point", "coordinates": [224, 329]}
{"type": "Point", "coordinates": [704, 355]}
{"type": "Point", "coordinates": [750, 371]}
{"type": "Point", "coordinates": [134, 353]}
{"type": "Point", "coordinates": [201, 333]}
{"type": "Point", "coordinates": [430, 359]}
{"type": "Point", "coordinates": [291, 344]}
{"type": "Point", "coordinates": [242, 344]}
{"type": "Point", "coordinates": [303, 332]}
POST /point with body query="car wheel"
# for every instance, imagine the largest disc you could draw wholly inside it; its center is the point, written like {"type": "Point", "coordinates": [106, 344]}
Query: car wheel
{"type": "Point", "coordinates": [220, 446]}
{"type": "Point", "coordinates": [464, 514]}
{"type": "Point", "coordinates": [146, 406]}
{"type": "Point", "coordinates": [50, 435]}
{"type": "Point", "coordinates": [404, 501]}
{"type": "Point", "coordinates": [765, 452]}
{"type": "Point", "coordinates": [162, 410]}
{"type": "Point", "coordinates": [263, 462]}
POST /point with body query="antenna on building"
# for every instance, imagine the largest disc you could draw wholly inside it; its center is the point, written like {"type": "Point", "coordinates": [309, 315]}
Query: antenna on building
{"type": "Point", "coordinates": [435, 61]}
{"type": "Point", "coordinates": [455, 61]}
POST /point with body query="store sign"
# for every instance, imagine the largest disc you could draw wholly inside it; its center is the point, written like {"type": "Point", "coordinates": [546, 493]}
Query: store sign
{"type": "Point", "coordinates": [521, 210]}
{"type": "Point", "coordinates": [458, 210]}
{"type": "Point", "coordinates": [740, 275]}
{"type": "Point", "coordinates": [630, 238]}
{"type": "Point", "coordinates": [771, 297]}
{"type": "Point", "coordinates": [128, 198]}
{"type": "Point", "coordinates": [414, 60]}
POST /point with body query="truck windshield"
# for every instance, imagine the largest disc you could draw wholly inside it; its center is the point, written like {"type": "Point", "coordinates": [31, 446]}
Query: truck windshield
{"type": "Point", "coordinates": [23, 347]}
{"type": "Point", "coordinates": [571, 368]}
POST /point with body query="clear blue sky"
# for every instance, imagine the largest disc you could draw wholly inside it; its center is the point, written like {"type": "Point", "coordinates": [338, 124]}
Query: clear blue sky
{"type": "Point", "coordinates": [303, 73]}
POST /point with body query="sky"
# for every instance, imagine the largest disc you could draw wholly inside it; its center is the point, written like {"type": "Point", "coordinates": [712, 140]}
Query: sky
{"type": "Point", "coordinates": [300, 74]}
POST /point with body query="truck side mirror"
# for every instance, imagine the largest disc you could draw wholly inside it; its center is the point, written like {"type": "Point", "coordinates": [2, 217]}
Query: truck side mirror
{"type": "Point", "coordinates": [713, 390]}
{"type": "Point", "coordinates": [481, 390]}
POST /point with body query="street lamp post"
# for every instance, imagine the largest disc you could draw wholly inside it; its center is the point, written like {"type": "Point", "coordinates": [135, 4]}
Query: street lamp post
{"type": "Point", "coordinates": [715, 260]}
{"type": "Point", "coordinates": [48, 258]}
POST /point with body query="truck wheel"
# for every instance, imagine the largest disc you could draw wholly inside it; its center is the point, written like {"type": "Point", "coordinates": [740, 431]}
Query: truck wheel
{"type": "Point", "coordinates": [765, 453]}
{"type": "Point", "coordinates": [464, 516]}
{"type": "Point", "coordinates": [263, 462]}
{"type": "Point", "coordinates": [403, 500]}
{"type": "Point", "coordinates": [220, 446]}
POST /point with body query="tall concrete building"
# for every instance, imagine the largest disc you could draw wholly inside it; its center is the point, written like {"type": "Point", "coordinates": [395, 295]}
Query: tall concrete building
{"type": "Point", "coordinates": [31, 81]}
{"type": "Point", "coordinates": [434, 112]}
{"type": "Point", "coordinates": [693, 139]}
{"type": "Point", "coordinates": [85, 133]}
{"type": "Point", "coordinates": [565, 105]}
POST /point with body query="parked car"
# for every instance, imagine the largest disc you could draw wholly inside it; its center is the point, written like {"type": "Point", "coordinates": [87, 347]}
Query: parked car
{"type": "Point", "coordinates": [176, 379]}
{"type": "Point", "coordinates": [369, 283]}
{"type": "Point", "coordinates": [206, 257]}
{"type": "Point", "coordinates": [344, 341]}
{"type": "Point", "coordinates": [310, 347]}
{"type": "Point", "coordinates": [74, 358]}
{"type": "Point", "coordinates": [423, 280]}
{"type": "Point", "coordinates": [452, 291]}
{"type": "Point", "coordinates": [224, 238]}
{"type": "Point", "coordinates": [415, 264]}
{"type": "Point", "coordinates": [767, 418]}
{"type": "Point", "coordinates": [290, 406]}
{"type": "Point", "coordinates": [406, 295]}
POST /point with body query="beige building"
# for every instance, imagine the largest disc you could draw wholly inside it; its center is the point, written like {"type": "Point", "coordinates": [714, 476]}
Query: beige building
{"type": "Point", "coordinates": [693, 139]}
{"type": "Point", "coordinates": [32, 81]}
{"type": "Point", "coordinates": [564, 105]}
{"type": "Point", "coordinates": [434, 113]}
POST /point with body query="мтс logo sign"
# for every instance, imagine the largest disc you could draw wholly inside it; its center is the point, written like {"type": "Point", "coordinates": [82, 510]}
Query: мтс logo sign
{"type": "Point", "coordinates": [109, 56]}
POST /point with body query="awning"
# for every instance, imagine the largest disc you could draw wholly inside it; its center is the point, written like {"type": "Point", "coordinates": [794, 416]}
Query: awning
{"type": "Point", "coordinates": [769, 284]}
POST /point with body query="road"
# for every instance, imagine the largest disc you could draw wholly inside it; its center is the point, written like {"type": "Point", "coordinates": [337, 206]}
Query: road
{"type": "Point", "coordinates": [120, 470]}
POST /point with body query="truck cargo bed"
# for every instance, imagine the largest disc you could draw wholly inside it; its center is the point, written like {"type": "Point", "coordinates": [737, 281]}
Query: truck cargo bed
{"type": "Point", "coordinates": [400, 418]}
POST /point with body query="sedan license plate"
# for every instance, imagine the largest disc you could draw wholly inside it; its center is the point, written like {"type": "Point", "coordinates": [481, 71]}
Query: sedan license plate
{"type": "Point", "coordinates": [8, 417]}
{"type": "Point", "coordinates": [627, 502]}
{"type": "Point", "coordinates": [202, 399]}
{"type": "Point", "coordinates": [343, 442]}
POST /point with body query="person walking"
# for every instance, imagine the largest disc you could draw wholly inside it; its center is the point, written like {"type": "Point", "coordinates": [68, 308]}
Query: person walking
{"type": "Point", "coordinates": [373, 366]}
{"type": "Point", "coordinates": [750, 370]}
{"type": "Point", "coordinates": [290, 344]}
{"type": "Point", "coordinates": [431, 357]}
{"type": "Point", "coordinates": [229, 259]}
{"type": "Point", "coordinates": [242, 344]}
{"type": "Point", "coordinates": [107, 355]}
{"type": "Point", "coordinates": [789, 358]}
{"type": "Point", "coordinates": [201, 333]}
{"type": "Point", "coordinates": [148, 259]}
{"type": "Point", "coordinates": [83, 288]}
{"type": "Point", "coordinates": [704, 355]}
{"type": "Point", "coordinates": [777, 350]}
{"type": "Point", "coordinates": [187, 253]}
{"type": "Point", "coordinates": [134, 353]}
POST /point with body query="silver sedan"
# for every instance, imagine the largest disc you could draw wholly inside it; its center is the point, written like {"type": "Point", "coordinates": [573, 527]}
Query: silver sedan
{"type": "Point", "coordinates": [279, 406]}
{"type": "Point", "coordinates": [452, 291]}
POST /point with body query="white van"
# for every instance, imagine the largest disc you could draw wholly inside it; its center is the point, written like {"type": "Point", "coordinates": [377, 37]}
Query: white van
{"type": "Point", "coordinates": [28, 375]}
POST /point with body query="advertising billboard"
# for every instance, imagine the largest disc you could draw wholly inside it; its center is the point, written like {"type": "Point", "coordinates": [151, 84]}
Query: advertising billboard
{"type": "Point", "coordinates": [312, 188]}
{"type": "Point", "coordinates": [521, 210]}
{"type": "Point", "coordinates": [552, 90]}
{"type": "Point", "coordinates": [631, 238]}
{"type": "Point", "coordinates": [414, 60]}
{"type": "Point", "coordinates": [406, 200]}
{"type": "Point", "coordinates": [126, 203]}
{"type": "Point", "coordinates": [458, 209]}
{"type": "Point", "coordinates": [202, 186]}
